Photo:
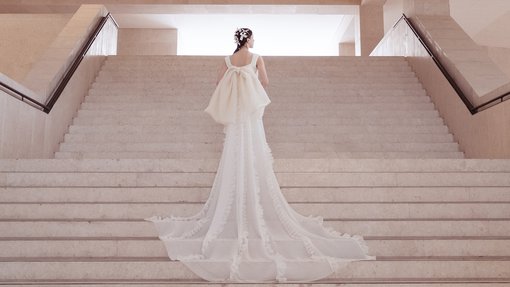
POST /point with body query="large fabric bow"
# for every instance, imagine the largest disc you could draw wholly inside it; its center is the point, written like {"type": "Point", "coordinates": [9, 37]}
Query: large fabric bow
{"type": "Point", "coordinates": [238, 95]}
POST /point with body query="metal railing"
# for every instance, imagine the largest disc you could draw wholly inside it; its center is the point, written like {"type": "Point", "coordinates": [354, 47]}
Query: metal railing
{"type": "Point", "coordinates": [469, 105]}
{"type": "Point", "coordinates": [28, 97]}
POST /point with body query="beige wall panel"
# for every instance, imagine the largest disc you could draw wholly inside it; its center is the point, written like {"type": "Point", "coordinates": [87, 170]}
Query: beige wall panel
{"type": "Point", "coordinates": [30, 133]}
{"type": "Point", "coordinates": [147, 42]}
{"type": "Point", "coordinates": [24, 39]}
{"type": "Point", "coordinates": [371, 23]}
{"type": "Point", "coordinates": [393, 10]}
{"type": "Point", "coordinates": [427, 7]}
{"type": "Point", "coordinates": [495, 34]}
{"type": "Point", "coordinates": [483, 135]}
{"type": "Point", "coordinates": [501, 56]}
{"type": "Point", "coordinates": [476, 15]}
{"type": "Point", "coordinates": [347, 49]}
{"type": "Point", "coordinates": [123, 6]}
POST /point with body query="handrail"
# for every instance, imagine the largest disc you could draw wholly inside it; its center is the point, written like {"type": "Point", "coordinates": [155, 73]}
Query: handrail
{"type": "Point", "coordinates": [22, 96]}
{"type": "Point", "coordinates": [472, 109]}
{"type": "Point", "coordinates": [64, 80]}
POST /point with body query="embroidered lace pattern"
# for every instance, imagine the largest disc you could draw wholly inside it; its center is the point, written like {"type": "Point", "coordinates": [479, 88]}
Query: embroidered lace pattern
{"type": "Point", "coordinates": [246, 231]}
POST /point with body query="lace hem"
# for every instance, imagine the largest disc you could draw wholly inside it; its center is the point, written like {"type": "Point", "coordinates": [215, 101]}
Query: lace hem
{"type": "Point", "coordinates": [266, 238]}
{"type": "Point", "coordinates": [246, 142]}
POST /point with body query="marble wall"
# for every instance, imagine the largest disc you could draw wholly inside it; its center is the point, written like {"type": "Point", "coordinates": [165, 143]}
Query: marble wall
{"type": "Point", "coordinates": [500, 56]}
{"type": "Point", "coordinates": [147, 42]}
{"type": "Point", "coordinates": [52, 64]}
{"type": "Point", "coordinates": [483, 135]}
{"type": "Point", "coordinates": [371, 25]}
{"type": "Point", "coordinates": [427, 7]}
{"type": "Point", "coordinates": [496, 33]}
{"type": "Point", "coordinates": [26, 132]}
{"type": "Point", "coordinates": [133, 6]}
{"type": "Point", "coordinates": [24, 38]}
{"type": "Point", "coordinates": [478, 76]}
{"type": "Point", "coordinates": [487, 22]}
{"type": "Point", "coordinates": [393, 10]}
{"type": "Point", "coordinates": [469, 64]}
{"type": "Point", "coordinates": [346, 49]}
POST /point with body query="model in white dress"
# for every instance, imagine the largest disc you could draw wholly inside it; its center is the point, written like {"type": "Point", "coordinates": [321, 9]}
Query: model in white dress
{"type": "Point", "coordinates": [246, 231]}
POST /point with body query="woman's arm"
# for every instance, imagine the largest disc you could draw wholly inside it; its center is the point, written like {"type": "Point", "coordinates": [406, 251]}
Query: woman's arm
{"type": "Point", "coordinates": [261, 68]}
{"type": "Point", "coordinates": [221, 71]}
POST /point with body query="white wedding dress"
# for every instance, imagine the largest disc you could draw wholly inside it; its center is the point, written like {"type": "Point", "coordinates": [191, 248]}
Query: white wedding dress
{"type": "Point", "coordinates": [246, 231]}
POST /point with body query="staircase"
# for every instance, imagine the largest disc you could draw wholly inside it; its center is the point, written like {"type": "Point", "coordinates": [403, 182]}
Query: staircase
{"type": "Point", "coordinates": [323, 107]}
{"type": "Point", "coordinates": [355, 140]}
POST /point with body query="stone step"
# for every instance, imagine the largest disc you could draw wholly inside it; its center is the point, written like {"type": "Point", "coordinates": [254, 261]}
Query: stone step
{"type": "Point", "coordinates": [286, 155]}
{"type": "Point", "coordinates": [340, 99]}
{"type": "Point", "coordinates": [162, 269]}
{"type": "Point", "coordinates": [325, 282]}
{"type": "Point", "coordinates": [279, 147]}
{"type": "Point", "coordinates": [328, 165]}
{"type": "Point", "coordinates": [333, 210]}
{"type": "Point", "coordinates": [270, 113]}
{"type": "Point", "coordinates": [286, 62]}
{"type": "Point", "coordinates": [208, 84]}
{"type": "Point", "coordinates": [295, 63]}
{"type": "Point", "coordinates": [193, 58]}
{"type": "Point", "coordinates": [277, 92]}
{"type": "Point", "coordinates": [395, 194]}
{"type": "Point", "coordinates": [278, 79]}
{"type": "Point", "coordinates": [270, 130]}
{"type": "Point", "coordinates": [270, 121]}
{"type": "Point", "coordinates": [275, 107]}
{"type": "Point", "coordinates": [204, 119]}
{"type": "Point", "coordinates": [291, 66]}
{"type": "Point", "coordinates": [156, 137]}
{"type": "Point", "coordinates": [277, 71]}
{"type": "Point", "coordinates": [147, 248]}
{"type": "Point", "coordinates": [48, 227]}
{"type": "Point", "coordinates": [293, 179]}
{"type": "Point", "coordinates": [276, 74]}
{"type": "Point", "coordinates": [342, 77]}
{"type": "Point", "coordinates": [173, 59]}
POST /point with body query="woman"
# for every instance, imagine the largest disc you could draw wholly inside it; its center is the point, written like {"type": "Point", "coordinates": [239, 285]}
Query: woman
{"type": "Point", "coordinates": [246, 231]}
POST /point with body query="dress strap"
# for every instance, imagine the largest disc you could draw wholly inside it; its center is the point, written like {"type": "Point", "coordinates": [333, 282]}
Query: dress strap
{"type": "Point", "coordinates": [254, 60]}
{"type": "Point", "coordinates": [227, 61]}
{"type": "Point", "coordinates": [253, 63]}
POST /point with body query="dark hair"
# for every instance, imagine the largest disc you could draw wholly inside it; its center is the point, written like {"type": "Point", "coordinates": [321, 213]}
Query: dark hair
{"type": "Point", "coordinates": [241, 36]}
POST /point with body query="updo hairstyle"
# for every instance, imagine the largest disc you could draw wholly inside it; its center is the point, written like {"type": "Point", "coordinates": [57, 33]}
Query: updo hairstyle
{"type": "Point", "coordinates": [241, 36]}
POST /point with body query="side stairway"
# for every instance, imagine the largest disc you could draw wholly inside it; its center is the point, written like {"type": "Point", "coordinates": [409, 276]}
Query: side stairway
{"type": "Point", "coordinates": [355, 140]}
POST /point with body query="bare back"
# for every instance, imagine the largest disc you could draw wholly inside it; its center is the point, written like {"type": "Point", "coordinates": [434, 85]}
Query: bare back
{"type": "Point", "coordinates": [243, 58]}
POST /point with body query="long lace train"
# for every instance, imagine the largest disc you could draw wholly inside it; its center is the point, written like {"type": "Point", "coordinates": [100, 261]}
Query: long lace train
{"type": "Point", "coordinates": [246, 231]}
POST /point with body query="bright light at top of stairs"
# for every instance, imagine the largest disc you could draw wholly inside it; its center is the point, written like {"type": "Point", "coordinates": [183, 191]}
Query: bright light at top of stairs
{"type": "Point", "coordinates": [275, 34]}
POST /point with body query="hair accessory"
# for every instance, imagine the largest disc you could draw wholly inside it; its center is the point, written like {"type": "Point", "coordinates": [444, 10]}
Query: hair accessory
{"type": "Point", "coordinates": [240, 35]}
